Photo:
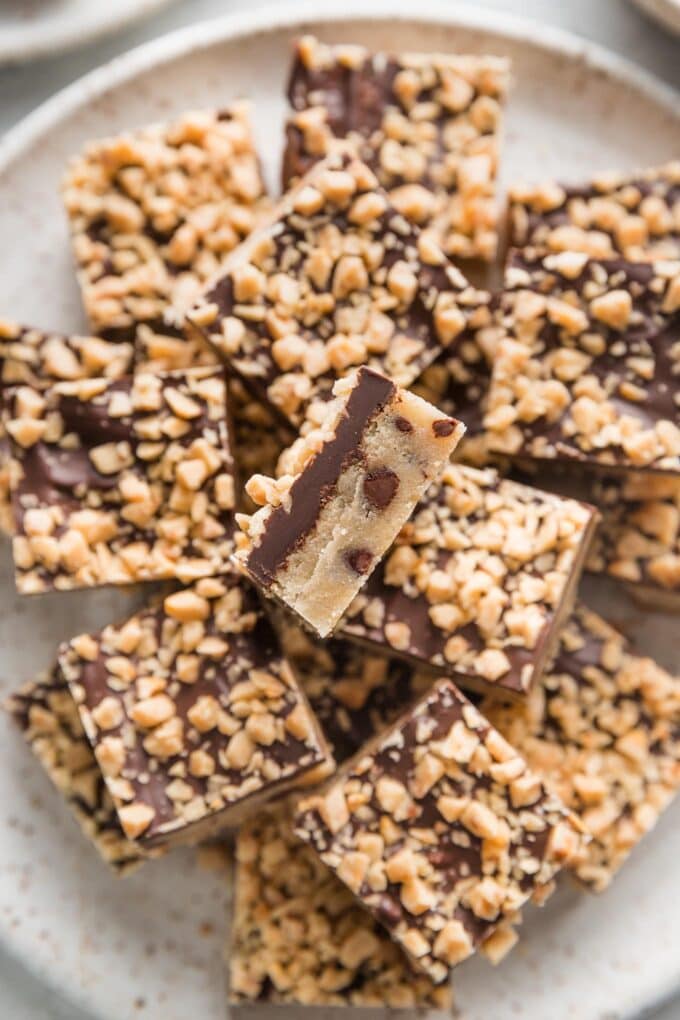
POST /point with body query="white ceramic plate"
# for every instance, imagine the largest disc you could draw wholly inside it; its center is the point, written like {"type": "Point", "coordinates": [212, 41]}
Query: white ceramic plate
{"type": "Point", "coordinates": [150, 946]}
{"type": "Point", "coordinates": [666, 12]}
{"type": "Point", "coordinates": [30, 29]}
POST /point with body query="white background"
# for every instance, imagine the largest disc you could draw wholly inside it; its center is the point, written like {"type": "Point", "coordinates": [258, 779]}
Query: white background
{"type": "Point", "coordinates": [612, 23]}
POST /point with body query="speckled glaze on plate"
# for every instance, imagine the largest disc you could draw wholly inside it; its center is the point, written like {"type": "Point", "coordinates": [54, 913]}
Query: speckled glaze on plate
{"type": "Point", "coordinates": [151, 946]}
{"type": "Point", "coordinates": [30, 29]}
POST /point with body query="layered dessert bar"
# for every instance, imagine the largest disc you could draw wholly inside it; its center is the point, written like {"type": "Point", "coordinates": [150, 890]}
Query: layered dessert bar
{"type": "Point", "coordinates": [121, 481]}
{"type": "Point", "coordinates": [428, 124]}
{"type": "Point", "coordinates": [39, 358]}
{"type": "Point", "coordinates": [48, 718]}
{"type": "Point", "coordinates": [603, 733]}
{"type": "Point", "coordinates": [353, 693]}
{"type": "Point", "coordinates": [299, 937]}
{"type": "Point", "coordinates": [194, 715]}
{"type": "Point", "coordinates": [323, 527]}
{"type": "Point", "coordinates": [440, 830]}
{"type": "Point", "coordinates": [337, 279]}
{"type": "Point", "coordinates": [587, 372]}
{"type": "Point", "coordinates": [479, 581]}
{"type": "Point", "coordinates": [636, 215]}
{"type": "Point", "coordinates": [154, 212]}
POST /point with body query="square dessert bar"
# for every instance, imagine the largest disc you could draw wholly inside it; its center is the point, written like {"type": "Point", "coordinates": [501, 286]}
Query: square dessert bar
{"type": "Point", "coordinates": [48, 718]}
{"type": "Point", "coordinates": [636, 215]}
{"type": "Point", "coordinates": [479, 580]}
{"type": "Point", "coordinates": [154, 212]}
{"type": "Point", "coordinates": [123, 481]}
{"type": "Point", "coordinates": [39, 358]}
{"type": "Point", "coordinates": [337, 279]}
{"type": "Point", "coordinates": [638, 540]}
{"type": "Point", "coordinates": [603, 732]}
{"type": "Point", "coordinates": [440, 830]}
{"type": "Point", "coordinates": [427, 124]}
{"type": "Point", "coordinates": [323, 527]}
{"type": "Point", "coordinates": [299, 936]}
{"type": "Point", "coordinates": [588, 371]}
{"type": "Point", "coordinates": [354, 694]}
{"type": "Point", "coordinates": [193, 714]}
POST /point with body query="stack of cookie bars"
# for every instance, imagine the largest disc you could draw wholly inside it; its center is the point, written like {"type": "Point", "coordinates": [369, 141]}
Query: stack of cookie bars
{"type": "Point", "coordinates": [357, 479]}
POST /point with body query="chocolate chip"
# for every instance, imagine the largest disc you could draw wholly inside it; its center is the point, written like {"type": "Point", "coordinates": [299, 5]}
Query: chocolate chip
{"type": "Point", "coordinates": [403, 424]}
{"type": "Point", "coordinates": [388, 911]}
{"type": "Point", "coordinates": [443, 427]}
{"type": "Point", "coordinates": [360, 560]}
{"type": "Point", "coordinates": [380, 487]}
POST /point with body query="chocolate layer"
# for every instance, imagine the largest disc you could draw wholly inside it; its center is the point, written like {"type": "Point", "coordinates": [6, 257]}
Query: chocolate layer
{"type": "Point", "coordinates": [289, 524]}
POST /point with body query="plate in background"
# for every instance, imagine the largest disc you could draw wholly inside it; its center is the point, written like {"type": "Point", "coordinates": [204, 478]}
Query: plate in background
{"type": "Point", "coordinates": [30, 29]}
{"type": "Point", "coordinates": [151, 946]}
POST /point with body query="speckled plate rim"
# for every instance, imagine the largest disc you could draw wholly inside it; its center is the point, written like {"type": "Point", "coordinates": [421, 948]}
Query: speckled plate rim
{"type": "Point", "coordinates": [48, 37]}
{"type": "Point", "coordinates": [211, 33]}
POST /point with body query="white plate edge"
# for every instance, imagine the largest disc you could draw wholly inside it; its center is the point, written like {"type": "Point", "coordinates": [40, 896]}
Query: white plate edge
{"type": "Point", "coordinates": [210, 32]}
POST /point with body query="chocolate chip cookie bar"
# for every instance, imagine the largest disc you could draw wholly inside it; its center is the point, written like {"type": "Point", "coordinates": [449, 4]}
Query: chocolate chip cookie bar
{"type": "Point", "coordinates": [636, 215]}
{"type": "Point", "coordinates": [120, 481]}
{"type": "Point", "coordinates": [603, 732]}
{"type": "Point", "coordinates": [39, 358]}
{"type": "Point", "coordinates": [427, 124]}
{"type": "Point", "coordinates": [440, 830]}
{"type": "Point", "coordinates": [48, 718]}
{"type": "Point", "coordinates": [587, 372]}
{"type": "Point", "coordinates": [193, 714]}
{"type": "Point", "coordinates": [337, 279]}
{"type": "Point", "coordinates": [354, 694]}
{"type": "Point", "coordinates": [479, 581]}
{"type": "Point", "coordinates": [323, 527]}
{"type": "Point", "coordinates": [154, 212]}
{"type": "Point", "coordinates": [299, 936]}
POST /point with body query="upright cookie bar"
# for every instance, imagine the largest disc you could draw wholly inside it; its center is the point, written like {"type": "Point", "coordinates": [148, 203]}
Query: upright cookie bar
{"type": "Point", "coordinates": [440, 830]}
{"type": "Point", "coordinates": [479, 580]}
{"type": "Point", "coordinates": [338, 279]}
{"type": "Point", "coordinates": [154, 212]}
{"type": "Point", "coordinates": [427, 124]}
{"type": "Point", "coordinates": [299, 937]}
{"type": "Point", "coordinates": [47, 716]}
{"type": "Point", "coordinates": [603, 732]}
{"type": "Point", "coordinates": [636, 215]}
{"type": "Point", "coordinates": [123, 481]}
{"type": "Point", "coordinates": [39, 358]}
{"type": "Point", "coordinates": [193, 714]}
{"type": "Point", "coordinates": [353, 694]}
{"type": "Point", "coordinates": [323, 527]}
{"type": "Point", "coordinates": [587, 372]}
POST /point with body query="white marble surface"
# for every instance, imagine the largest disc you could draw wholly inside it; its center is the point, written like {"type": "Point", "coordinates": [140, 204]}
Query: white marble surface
{"type": "Point", "coordinates": [613, 23]}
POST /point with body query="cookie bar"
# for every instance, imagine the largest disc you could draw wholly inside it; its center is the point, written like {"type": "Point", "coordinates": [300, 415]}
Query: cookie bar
{"type": "Point", "coordinates": [154, 212]}
{"type": "Point", "coordinates": [337, 279]}
{"type": "Point", "coordinates": [168, 346]}
{"type": "Point", "coordinates": [427, 124]}
{"type": "Point", "coordinates": [38, 358]}
{"type": "Point", "coordinates": [299, 936]}
{"type": "Point", "coordinates": [638, 540]}
{"type": "Point", "coordinates": [48, 718]}
{"type": "Point", "coordinates": [586, 373]}
{"type": "Point", "coordinates": [123, 481]}
{"type": "Point", "coordinates": [323, 527]}
{"type": "Point", "coordinates": [603, 732]}
{"type": "Point", "coordinates": [193, 714]}
{"type": "Point", "coordinates": [636, 215]}
{"type": "Point", "coordinates": [353, 694]}
{"type": "Point", "coordinates": [479, 581]}
{"type": "Point", "coordinates": [440, 829]}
